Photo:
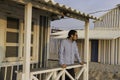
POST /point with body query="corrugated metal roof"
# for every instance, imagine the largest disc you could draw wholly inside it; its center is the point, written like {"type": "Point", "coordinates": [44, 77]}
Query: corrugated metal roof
{"type": "Point", "coordinates": [64, 7]}
{"type": "Point", "coordinates": [93, 34]}
{"type": "Point", "coordinates": [67, 11]}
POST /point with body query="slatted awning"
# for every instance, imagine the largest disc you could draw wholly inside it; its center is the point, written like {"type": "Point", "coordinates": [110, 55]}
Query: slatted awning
{"type": "Point", "coordinates": [58, 9]}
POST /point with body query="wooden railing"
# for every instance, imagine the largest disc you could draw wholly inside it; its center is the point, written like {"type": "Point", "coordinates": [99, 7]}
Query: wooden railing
{"type": "Point", "coordinates": [8, 69]}
{"type": "Point", "coordinates": [56, 73]}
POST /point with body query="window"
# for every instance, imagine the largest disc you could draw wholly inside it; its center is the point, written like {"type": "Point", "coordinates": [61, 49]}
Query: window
{"type": "Point", "coordinates": [15, 40]}
{"type": "Point", "coordinates": [12, 37]}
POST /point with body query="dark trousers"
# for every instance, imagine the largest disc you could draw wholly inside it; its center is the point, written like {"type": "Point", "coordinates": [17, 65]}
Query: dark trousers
{"type": "Point", "coordinates": [71, 72]}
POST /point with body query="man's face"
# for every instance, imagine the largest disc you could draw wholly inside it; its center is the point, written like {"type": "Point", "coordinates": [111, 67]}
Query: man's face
{"type": "Point", "coordinates": [75, 37]}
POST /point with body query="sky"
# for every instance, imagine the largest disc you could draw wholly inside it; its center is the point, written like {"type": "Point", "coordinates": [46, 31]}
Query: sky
{"type": "Point", "coordinates": [86, 6]}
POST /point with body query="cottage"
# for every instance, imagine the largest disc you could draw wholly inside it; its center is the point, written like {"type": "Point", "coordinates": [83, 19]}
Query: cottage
{"type": "Point", "coordinates": [25, 34]}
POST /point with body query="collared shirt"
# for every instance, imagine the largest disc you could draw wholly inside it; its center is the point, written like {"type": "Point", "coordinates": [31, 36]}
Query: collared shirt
{"type": "Point", "coordinates": [68, 51]}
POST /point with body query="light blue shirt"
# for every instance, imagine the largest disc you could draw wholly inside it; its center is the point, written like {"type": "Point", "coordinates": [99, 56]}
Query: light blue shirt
{"type": "Point", "coordinates": [68, 51]}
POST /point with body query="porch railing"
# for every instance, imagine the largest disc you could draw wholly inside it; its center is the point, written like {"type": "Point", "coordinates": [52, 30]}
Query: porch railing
{"type": "Point", "coordinates": [57, 73]}
{"type": "Point", "coordinates": [8, 69]}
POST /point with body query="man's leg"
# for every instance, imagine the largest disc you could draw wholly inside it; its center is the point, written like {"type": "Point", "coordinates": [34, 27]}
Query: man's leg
{"type": "Point", "coordinates": [71, 72]}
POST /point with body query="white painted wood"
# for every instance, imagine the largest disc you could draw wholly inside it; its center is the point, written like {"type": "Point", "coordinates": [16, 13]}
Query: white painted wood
{"type": "Point", "coordinates": [119, 52]}
{"type": "Point", "coordinates": [118, 18]}
{"type": "Point", "coordinates": [102, 58]}
{"type": "Point", "coordinates": [109, 51]}
{"type": "Point", "coordinates": [86, 50]}
{"type": "Point", "coordinates": [48, 38]}
{"type": "Point", "coordinates": [115, 52]}
{"type": "Point", "coordinates": [104, 43]}
{"type": "Point", "coordinates": [90, 51]}
{"type": "Point", "coordinates": [5, 73]}
{"type": "Point", "coordinates": [99, 50]}
{"type": "Point", "coordinates": [11, 73]}
{"type": "Point", "coordinates": [27, 40]}
{"type": "Point", "coordinates": [112, 51]}
{"type": "Point", "coordinates": [61, 73]}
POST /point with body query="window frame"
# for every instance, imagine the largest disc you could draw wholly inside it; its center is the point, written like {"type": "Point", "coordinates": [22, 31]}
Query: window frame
{"type": "Point", "coordinates": [20, 43]}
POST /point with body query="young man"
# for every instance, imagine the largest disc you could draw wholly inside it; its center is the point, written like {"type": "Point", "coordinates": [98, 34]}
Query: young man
{"type": "Point", "coordinates": [68, 51]}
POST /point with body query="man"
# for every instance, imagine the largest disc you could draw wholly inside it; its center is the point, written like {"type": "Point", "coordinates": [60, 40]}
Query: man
{"type": "Point", "coordinates": [68, 51]}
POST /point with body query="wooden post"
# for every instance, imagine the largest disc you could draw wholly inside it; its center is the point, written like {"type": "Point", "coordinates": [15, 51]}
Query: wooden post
{"type": "Point", "coordinates": [86, 51]}
{"type": "Point", "coordinates": [27, 41]}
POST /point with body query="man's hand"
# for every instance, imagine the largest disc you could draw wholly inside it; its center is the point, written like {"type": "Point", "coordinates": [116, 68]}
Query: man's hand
{"type": "Point", "coordinates": [63, 65]}
{"type": "Point", "coordinates": [81, 63]}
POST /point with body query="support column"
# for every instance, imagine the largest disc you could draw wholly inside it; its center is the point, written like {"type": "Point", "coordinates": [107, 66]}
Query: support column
{"type": "Point", "coordinates": [86, 50]}
{"type": "Point", "coordinates": [27, 41]}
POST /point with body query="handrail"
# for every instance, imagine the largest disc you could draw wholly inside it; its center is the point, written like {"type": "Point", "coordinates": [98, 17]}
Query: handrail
{"type": "Point", "coordinates": [56, 73]}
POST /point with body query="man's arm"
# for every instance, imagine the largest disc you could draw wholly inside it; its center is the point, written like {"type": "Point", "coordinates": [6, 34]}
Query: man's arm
{"type": "Point", "coordinates": [77, 54]}
{"type": "Point", "coordinates": [61, 54]}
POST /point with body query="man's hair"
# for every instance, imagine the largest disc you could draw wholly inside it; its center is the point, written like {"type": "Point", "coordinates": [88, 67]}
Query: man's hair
{"type": "Point", "coordinates": [71, 32]}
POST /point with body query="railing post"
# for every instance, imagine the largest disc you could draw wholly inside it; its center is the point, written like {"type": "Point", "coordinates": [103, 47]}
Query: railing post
{"type": "Point", "coordinates": [63, 76]}
{"type": "Point", "coordinates": [54, 75]}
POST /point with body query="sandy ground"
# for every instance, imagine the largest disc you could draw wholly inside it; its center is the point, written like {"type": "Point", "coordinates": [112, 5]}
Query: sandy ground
{"type": "Point", "coordinates": [100, 71]}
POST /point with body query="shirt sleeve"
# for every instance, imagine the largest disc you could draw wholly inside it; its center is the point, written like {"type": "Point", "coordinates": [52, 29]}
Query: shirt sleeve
{"type": "Point", "coordinates": [77, 53]}
{"type": "Point", "coordinates": [61, 53]}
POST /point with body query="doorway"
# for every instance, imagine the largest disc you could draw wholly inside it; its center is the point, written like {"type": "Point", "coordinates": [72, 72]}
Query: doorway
{"type": "Point", "coordinates": [94, 50]}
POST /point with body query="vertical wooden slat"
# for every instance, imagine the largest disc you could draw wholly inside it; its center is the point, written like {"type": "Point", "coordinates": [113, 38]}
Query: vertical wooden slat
{"type": "Point", "coordinates": [48, 37]}
{"type": "Point", "coordinates": [119, 52]}
{"type": "Point", "coordinates": [115, 22]}
{"type": "Point", "coordinates": [21, 40]}
{"type": "Point", "coordinates": [118, 18]}
{"type": "Point", "coordinates": [108, 51]}
{"type": "Point", "coordinates": [2, 73]}
{"type": "Point", "coordinates": [8, 73]}
{"type": "Point", "coordinates": [99, 50]}
{"type": "Point", "coordinates": [107, 20]}
{"type": "Point", "coordinates": [114, 18]}
{"type": "Point", "coordinates": [104, 51]}
{"type": "Point", "coordinates": [89, 50]}
{"type": "Point", "coordinates": [5, 73]}
{"type": "Point", "coordinates": [11, 72]}
{"type": "Point", "coordinates": [101, 54]}
{"type": "Point", "coordinates": [41, 41]}
{"type": "Point", "coordinates": [112, 51]}
{"type": "Point", "coordinates": [14, 74]}
{"type": "Point", "coordinates": [115, 51]}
